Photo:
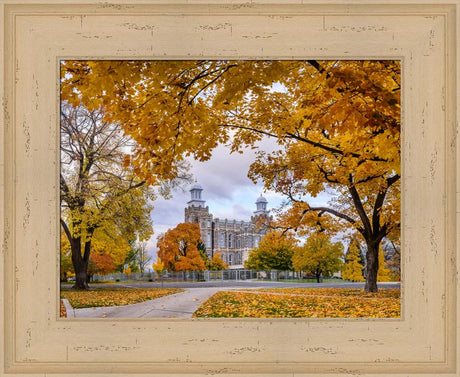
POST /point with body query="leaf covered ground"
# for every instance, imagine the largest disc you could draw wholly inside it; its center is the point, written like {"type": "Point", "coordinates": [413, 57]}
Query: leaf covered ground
{"type": "Point", "coordinates": [114, 296]}
{"type": "Point", "coordinates": [303, 303]}
{"type": "Point", "coordinates": [63, 312]}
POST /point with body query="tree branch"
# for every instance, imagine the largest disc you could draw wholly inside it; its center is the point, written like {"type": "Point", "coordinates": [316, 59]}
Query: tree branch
{"type": "Point", "coordinates": [66, 229]}
{"type": "Point", "coordinates": [359, 208]}
{"type": "Point", "coordinates": [332, 212]}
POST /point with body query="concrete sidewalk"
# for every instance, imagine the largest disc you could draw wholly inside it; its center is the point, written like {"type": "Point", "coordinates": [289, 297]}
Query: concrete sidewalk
{"type": "Point", "coordinates": [179, 305]}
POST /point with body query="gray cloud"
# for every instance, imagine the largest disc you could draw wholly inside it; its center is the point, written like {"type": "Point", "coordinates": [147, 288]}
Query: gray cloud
{"type": "Point", "coordinates": [228, 191]}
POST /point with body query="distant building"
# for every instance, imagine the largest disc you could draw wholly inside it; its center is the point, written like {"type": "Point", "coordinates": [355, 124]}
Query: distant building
{"type": "Point", "coordinates": [232, 238]}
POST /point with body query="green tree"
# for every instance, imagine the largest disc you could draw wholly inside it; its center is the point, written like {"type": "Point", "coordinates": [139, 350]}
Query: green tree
{"type": "Point", "coordinates": [318, 256]}
{"type": "Point", "coordinates": [353, 270]}
{"type": "Point", "coordinates": [204, 255]}
{"type": "Point", "coordinates": [274, 252]}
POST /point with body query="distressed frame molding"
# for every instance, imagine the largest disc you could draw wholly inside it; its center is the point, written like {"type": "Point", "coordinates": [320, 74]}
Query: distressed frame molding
{"type": "Point", "coordinates": [36, 35]}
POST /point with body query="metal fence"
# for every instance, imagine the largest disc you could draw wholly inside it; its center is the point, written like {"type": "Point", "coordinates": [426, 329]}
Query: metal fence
{"type": "Point", "coordinates": [240, 274]}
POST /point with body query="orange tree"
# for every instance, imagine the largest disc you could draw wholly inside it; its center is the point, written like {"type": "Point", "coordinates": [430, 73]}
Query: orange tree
{"type": "Point", "coordinates": [178, 248]}
{"type": "Point", "coordinates": [337, 124]}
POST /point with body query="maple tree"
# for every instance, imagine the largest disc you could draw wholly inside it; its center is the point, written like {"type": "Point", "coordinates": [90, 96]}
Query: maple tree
{"type": "Point", "coordinates": [216, 263]}
{"type": "Point", "coordinates": [100, 263]}
{"type": "Point", "coordinates": [318, 256]}
{"type": "Point", "coordinates": [98, 193]}
{"type": "Point", "coordinates": [353, 270]}
{"type": "Point", "coordinates": [274, 252]}
{"type": "Point", "coordinates": [109, 250]}
{"type": "Point", "coordinates": [337, 124]}
{"type": "Point", "coordinates": [178, 248]}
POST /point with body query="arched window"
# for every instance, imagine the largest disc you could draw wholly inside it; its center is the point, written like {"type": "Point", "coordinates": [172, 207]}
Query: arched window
{"type": "Point", "coordinates": [230, 240]}
{"type": "Point", "coordinates": [238, 258]}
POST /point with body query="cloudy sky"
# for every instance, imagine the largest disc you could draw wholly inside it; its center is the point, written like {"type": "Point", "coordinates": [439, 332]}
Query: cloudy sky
{"type": "Point", "coordinates": [227, 190]}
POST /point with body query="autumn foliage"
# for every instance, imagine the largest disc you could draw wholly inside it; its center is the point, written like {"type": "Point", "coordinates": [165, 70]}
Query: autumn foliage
{"type": "Point", "coordinates": [216, 263]}
{"type": "Point", "coordinates": [336, 123]}
{"type": "Point", "coordinates": [178, 248]}
{"type": "Point", "coordinates": [114, 296]}
{"type": "Point", "coordinates": [274, 252]}
{"type": "Point", "coordinates": [304, 303]}
{"type": "Point", "coordinates": [384, 273]}
{"type": "Point", "coordinates": [318, 256]}
{"type": "Point", "coordinates": [353, 270]}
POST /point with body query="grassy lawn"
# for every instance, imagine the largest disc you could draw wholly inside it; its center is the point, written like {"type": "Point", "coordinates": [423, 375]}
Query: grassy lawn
{"type": "Point", "coordinates": [114, 296]}
{"type": "Point", "coordinates": [303, 303]}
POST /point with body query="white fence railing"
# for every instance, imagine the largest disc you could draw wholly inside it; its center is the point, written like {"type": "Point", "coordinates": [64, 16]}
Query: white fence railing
{"type": "Point", "coordinates": [241, 274]}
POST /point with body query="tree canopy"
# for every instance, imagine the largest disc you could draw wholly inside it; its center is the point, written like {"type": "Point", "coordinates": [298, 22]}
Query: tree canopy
{"type": "Point", "coordinates": [178, 248]}
{"type": "Point", "coordinates": [319, 256]}
{"type": "Point", "coordinates": [274, 252]}
{"type": "Point", "coordinates": [337, 125]}
{"type": "Point", "coordinates": [103, 204]}
{"type": "Point", "coordinates": [216, 263]}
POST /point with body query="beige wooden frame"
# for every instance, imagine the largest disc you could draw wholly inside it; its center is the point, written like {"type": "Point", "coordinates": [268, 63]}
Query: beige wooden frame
{"type": "Point", "coordinates": [36, 34]}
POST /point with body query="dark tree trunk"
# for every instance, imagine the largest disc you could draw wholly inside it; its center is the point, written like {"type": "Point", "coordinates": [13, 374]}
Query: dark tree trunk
{"type": "Point", "coordinates": [372, 266]}
{"type": "Point", "coordinates": [80, 264]}
{"type": "Point", "coordinates": [318, 276]}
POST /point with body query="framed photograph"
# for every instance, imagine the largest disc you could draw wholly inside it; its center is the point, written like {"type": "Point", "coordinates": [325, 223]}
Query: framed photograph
{"type": "Point", "coordinates": [37, 37]}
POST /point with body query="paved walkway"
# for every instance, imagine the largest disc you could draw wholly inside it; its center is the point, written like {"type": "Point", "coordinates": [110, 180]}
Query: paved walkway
{"type": "Point", "coordinates": [179, 305]}
{"type": "Point", "coordinates": [184, 304]}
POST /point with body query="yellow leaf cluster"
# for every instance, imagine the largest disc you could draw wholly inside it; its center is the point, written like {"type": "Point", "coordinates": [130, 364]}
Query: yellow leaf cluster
{"type": "Point", "coordinates": [114, 296]}
{"type": "Point", "coordinates": [304, 303]}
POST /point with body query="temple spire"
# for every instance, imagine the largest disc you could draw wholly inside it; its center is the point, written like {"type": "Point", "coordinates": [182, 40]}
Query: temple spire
{"type": "Point", "coordinates": [195, 196]}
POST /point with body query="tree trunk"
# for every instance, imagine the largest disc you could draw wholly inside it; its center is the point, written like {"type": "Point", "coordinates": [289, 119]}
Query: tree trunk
{"type": "Point", "coordinates": [318, 276]}
{"type": "Point", "coordinates": [81, 282]}
{"type": "Point", "coordinates": [372, 266]}
{"type": "Point", "coordinates": [80, 265]}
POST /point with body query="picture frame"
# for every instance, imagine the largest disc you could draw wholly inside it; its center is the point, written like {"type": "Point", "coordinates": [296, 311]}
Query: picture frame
{"type": "Point", "coordinates": [36, 36]}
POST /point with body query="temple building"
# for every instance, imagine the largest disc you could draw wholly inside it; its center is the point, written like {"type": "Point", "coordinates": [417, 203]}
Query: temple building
{"type": "Point", "coordinates": [232, 238]}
